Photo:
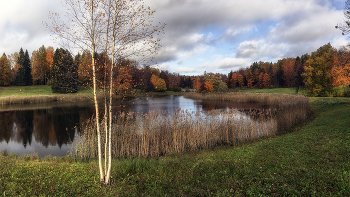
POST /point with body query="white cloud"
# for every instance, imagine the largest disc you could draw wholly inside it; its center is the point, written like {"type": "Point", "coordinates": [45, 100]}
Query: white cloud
{"type": "Point", "coordinates": [225, 64]}
{"type": "Point", "coordinates": [238, 31]}
{"type": "Point", "coordinates": [21, 24]}
{"type": "Point", "coordinates": [261, 50]}
{"type": "Point", "coordinates": [185, 70]}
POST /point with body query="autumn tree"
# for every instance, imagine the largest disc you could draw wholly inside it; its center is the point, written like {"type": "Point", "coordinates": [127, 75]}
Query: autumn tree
{"type": "Point", "coordinates": [14, 65]}
{"type": "Point", "coordinates": [5, 71]}
{"type": "Point", "coordinates": [85, 68]}
{"type": "Point", "coordinates": [240, 80]}
{"type": "Point", "coordinates": [123, 78]}
{"type": "Point", "coordinates": [218, 84]}
{"type": "Point", "coordinates": [40, 66]}
{"type": "Point", "coordinates": [64, 73]}
{"type": "Point", "coordinates": [208, 85]}
{"type": "Point", "coordinates": [288, 72]}
{"type": "Point", "coordinates": [298, 80]}
{"type": "Point", "coordinates": [232, 80]}
{"type": "Point", "coordinates": [197, 84]}
{"type": "Point", "coordinates": [341, 69]}
{"type": "Point", "coordinates": [261, 79]}
{"type": "Point", "coordinates": [266, 80]}
{"type": "Point", "coordinates": [158, 83]}
{"type": "Point", "coordinates": [317, 75]}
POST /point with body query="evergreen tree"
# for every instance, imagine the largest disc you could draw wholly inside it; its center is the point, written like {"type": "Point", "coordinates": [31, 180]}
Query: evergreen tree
{"type": "Point", "coordinates": [19, 80]}
{"type": "Point", "coordinates": [28, 80]}
{"type": "Point", "coordinates": [64, 72]}
{"type": "Point", "coordinates": [24, 75]}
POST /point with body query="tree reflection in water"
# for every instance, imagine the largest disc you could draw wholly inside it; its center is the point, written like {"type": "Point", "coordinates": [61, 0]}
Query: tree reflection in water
{"type": "Point", "coordinates": [40, 129]}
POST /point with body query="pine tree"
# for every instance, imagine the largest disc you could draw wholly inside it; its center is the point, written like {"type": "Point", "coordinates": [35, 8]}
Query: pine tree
{"type": "Point", "coordinates": [19, 80]}
{"type": "Point", "coordinates": [28, 80]}
{"type": "Point", "coordinates": [64, 73]}
{"type": "Point", "coordinates": [24, 75]}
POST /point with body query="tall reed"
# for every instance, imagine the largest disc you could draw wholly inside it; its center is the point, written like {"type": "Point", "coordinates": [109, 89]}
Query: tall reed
{"type": "Point", "coordinates": [277, 100]}
{"type": "Point", "coordinates": [158, 133]}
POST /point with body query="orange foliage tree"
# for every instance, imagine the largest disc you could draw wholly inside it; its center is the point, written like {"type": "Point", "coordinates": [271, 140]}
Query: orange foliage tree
{"type": "Point", "coordinates": [208, 85]}
{"type": "Point", "coordinates": [288, 71]}
{"type": "Point", "coordinates": [341, 69]}
{"type": "Point", "coordinates": [197, 84]}
{"type": "Point", "coordinates": [266, 80]}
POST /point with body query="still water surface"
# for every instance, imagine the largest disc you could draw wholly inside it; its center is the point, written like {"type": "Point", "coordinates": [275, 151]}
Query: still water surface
{"type": "Point", "coordinates": [51, 129]}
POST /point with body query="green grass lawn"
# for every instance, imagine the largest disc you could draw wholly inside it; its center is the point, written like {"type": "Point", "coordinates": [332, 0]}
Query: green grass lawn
{"type": "Point", "coordinates": [313, 159]}
{"type": "Point", "coordinates": [274, 90]}
{"type": "Point", "coordinates": [33, 90]}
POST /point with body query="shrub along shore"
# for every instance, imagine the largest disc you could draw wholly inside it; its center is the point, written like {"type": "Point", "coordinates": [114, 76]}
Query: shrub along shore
{"type": "Point", "coordinates": [311, 159]}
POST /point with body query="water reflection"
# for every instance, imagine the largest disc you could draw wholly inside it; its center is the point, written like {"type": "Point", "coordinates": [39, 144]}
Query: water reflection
{"type": "Point", "coordinates": [40, 130]}
{"type": "Point", "coordinates": [53, 128]}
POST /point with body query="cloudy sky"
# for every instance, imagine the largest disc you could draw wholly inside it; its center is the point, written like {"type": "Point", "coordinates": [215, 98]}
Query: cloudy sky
{"type": "Point", "coordinates": [203, 35]}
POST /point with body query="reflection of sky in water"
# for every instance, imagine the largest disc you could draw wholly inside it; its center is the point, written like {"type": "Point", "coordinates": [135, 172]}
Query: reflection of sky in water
{"type": "Point", "coordinates": [40, 126]}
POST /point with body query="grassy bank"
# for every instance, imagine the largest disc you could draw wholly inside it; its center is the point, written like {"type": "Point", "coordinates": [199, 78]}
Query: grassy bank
{"type": "Point", "coordinates": [313, 160]}
{"type": "Point", "coordinates": [39, 94]}
{"type": "Point", "coordinates": [275, 90]}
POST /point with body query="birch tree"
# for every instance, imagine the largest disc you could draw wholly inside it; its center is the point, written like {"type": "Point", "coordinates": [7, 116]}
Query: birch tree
{"type": "Point", "coordinates": [123, 30]}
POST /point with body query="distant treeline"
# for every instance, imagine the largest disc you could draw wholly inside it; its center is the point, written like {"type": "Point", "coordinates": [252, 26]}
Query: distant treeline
{"type": "Point", "coordinates": [319, 72]}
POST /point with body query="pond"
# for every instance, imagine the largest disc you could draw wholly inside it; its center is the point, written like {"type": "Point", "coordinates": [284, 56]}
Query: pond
{"type": "Point", "coordinates": [52, 128]}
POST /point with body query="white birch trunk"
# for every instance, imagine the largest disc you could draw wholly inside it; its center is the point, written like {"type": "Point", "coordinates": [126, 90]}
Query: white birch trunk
{"type": "Point", "coordinates": [95, 96]}
{"type": "Point", "coordinates": [108, 175]}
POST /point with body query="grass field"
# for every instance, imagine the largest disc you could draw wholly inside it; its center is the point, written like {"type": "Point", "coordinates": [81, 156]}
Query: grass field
{"type": "Point", "coordinates": [40, 94]}
{"type": "Point", "coordinates": [311, 160]}
{"type": "Point", "coordinates": [34, 90]}
{"type": "Point", "coordinates": [274, 90]}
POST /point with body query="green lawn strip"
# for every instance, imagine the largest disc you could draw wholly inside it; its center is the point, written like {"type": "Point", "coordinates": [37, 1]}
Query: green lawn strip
{"type": "Point", "coordinates": [313, 160]}
{"type": "Point", "coordinates": [274, 90]}
{"type": "Point", "coordinates": [36, 90]}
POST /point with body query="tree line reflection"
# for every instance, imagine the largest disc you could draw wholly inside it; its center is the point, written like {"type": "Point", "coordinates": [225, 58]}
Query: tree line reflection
{"type": "Point", "coordinates": [54, 126]}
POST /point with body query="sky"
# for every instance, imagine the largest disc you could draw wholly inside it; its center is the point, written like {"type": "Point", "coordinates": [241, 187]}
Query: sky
{"type": "Point", "coordinates": [202, 35]}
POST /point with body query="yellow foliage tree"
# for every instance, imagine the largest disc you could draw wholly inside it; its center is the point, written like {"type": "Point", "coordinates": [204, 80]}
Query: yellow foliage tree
{"type": "Point", "coordinates": [317, 75]}
{"type": "Point", "coordinates": [5, 71]}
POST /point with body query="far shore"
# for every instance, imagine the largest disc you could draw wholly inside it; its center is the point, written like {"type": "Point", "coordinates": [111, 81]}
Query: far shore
{"type": "Point", "coordinates": [39, 94]}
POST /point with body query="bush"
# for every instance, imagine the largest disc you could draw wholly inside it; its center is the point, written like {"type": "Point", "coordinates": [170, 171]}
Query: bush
{"type": "Point", "coordinates": [176, 89]}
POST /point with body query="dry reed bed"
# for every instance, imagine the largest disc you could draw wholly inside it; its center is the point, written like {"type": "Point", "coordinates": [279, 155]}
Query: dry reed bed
{"type": "Point", "coordinates": [9, 100]}
{"type": "Point", "coordinates": [270, 99]}
{"type": "Point", "coordinates": [155, 133]}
